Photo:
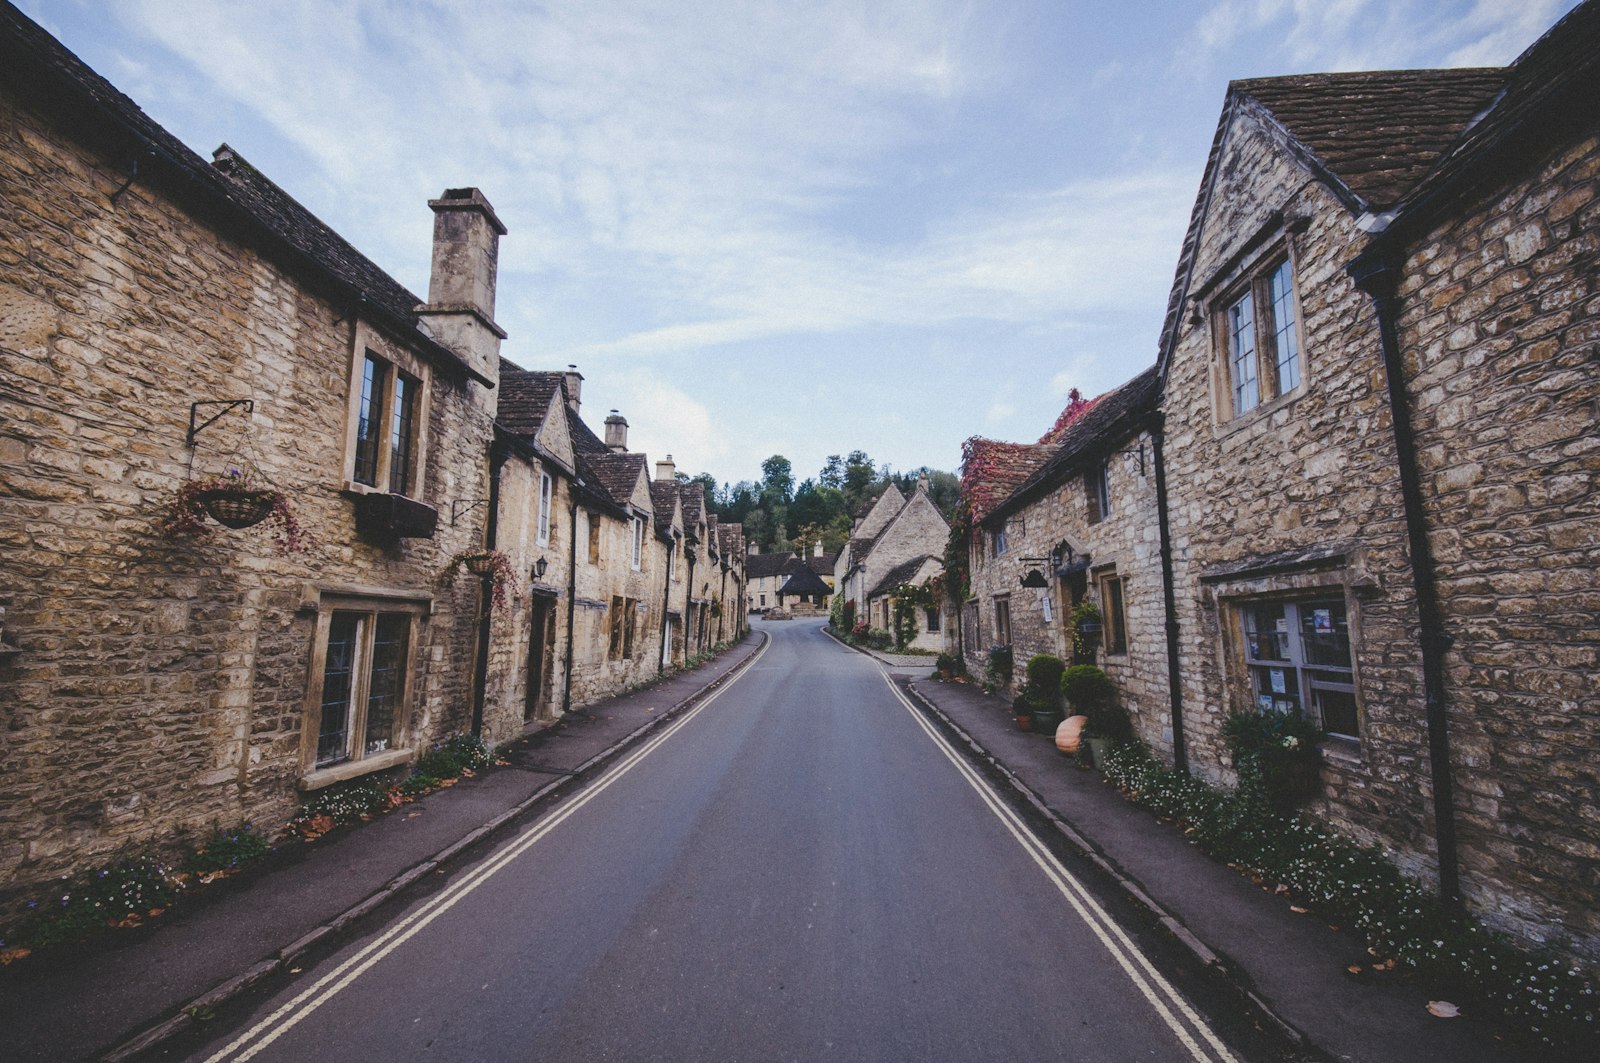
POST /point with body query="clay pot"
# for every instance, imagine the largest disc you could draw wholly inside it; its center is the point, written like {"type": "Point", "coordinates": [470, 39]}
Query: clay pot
{"type": "Point", "coordinates": [1070, 733]}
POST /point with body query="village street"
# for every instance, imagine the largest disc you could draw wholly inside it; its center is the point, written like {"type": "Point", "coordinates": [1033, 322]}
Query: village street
{"type": "Point", "coordinates": [797, 869]}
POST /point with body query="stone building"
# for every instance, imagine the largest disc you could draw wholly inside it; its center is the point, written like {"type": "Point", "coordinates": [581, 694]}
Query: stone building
{"type": "Point", "coordinates": [1082, 527]}
{"type": "Point", "coordinates": [1380, 393]}
{"type": "Point", "coordinates": [164, 319]}
{"type": "Point", "coordinates": [892, 531]}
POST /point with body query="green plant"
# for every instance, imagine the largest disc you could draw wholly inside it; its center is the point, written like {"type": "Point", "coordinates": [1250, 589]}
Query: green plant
{"type": "Point", "coordinates": [492, 564]}
{"type": "Point", "coordinates": [183, 516]}
{"type": "Point", "coordinates": [950, 664]}
{"type": "Point", "coordinates": [1358, 887]}
{"type": "Point", "coordinates": [227, 851]}
{"type": "Point", "coordinates": [1273, 750]}
{"type": "Point", "coordinates": [1044, 676]}
{"type": "Point", "coordinates": [998, 667]}
{"type": "Point", "coordinates": [121, 894]}
{"type": "Point", "coordinates": [1091, 693]}
{"type": "Point", "coordinates": [1086, 622]}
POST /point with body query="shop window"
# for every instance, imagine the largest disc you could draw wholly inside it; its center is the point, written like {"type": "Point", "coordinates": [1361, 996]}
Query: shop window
{"type": "Point", "coordinates": [1298, 656]}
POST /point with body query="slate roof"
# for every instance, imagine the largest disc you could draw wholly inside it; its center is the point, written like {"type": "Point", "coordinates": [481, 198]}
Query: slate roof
{"type": "Point", "coordinates": [1114, 416]}
{"type": "Point", "coordinates": [231, 192]}
{"type": "Point", "coordinates": [525, 398]}
{"type": "Point", "coordinates": [822, 566]}
{"type": "Point", "coordinates": [616, 473]}
{"type": "Point", "coordinates": [663, 498]}
{"type": "Point", "coordinates": [804, 582]}
{"type": "Point", "coordinates": [731, 538]}
{"type": "Point", "coordinates": [694, 503]}
{"type": "Point", "coordinates": [758, 566]}
{"type": "Point", "coordinates": [1378, 132]}
{"type": "Point", "coordinates": [900, 574]}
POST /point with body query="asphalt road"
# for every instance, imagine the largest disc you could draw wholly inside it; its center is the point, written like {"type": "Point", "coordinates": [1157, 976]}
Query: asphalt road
{"type": "Point", "coordinates": [796, 869]}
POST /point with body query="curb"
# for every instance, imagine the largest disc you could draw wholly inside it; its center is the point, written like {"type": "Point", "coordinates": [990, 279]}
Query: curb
{"type": "Point", "coordinates": [1136, 892]}
{"type": "Point", "coordinates": [197, 1010]}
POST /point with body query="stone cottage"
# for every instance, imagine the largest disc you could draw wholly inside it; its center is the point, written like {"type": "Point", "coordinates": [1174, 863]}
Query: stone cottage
{"type": "Point", "coordinates": [1082, 529]}
{"type": "Point", "coordinates": [162, 320]}
{"type": "Point", "coordinates": [892, 531]}
{"type": "Point", "coordinates": [1380, 391]}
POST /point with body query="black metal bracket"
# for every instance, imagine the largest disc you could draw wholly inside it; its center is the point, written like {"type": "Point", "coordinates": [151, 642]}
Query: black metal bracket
{"type": "Point", "coordinates": [226, 404]}
{"type": "Point", "coordinates": [1140, 452]}
{"type": "Point", "coordinates": [132, 177]}
{"type": "Point", "coordinates": [463, 506]}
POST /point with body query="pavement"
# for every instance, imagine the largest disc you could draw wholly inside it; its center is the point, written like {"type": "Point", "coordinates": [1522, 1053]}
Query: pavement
{"type": "Point", "coordinates": [138, 989]}
{"type": "Point", "coordinates": [1291, 965]}
{"type": "Point", "coordinates": [144, 987]}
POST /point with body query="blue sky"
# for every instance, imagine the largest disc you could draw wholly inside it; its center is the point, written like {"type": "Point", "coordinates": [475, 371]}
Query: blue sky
{"type": "Point", "coordinates": [764, 228]}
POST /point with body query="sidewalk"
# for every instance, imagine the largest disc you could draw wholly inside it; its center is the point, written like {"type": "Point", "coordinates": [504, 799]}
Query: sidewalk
{"type": "Point", "coordinates": [112, 1002]}
{"type": "Point", "coordinates": [1293, 965]}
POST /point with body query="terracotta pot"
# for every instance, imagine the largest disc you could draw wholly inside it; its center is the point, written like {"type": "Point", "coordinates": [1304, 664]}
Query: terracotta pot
{"type": "Point", "coordinates": [1070, 733]}
{"type": "Point", "coordinates": [1024, 721]}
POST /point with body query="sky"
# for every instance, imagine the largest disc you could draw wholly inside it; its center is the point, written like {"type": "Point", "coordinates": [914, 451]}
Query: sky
{"type": "Point", "coordinates": [762, 227]}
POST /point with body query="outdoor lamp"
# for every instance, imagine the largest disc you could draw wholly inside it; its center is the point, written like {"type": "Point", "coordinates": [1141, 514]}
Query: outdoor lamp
{"type": "Point", "coordinates": [538, 568]}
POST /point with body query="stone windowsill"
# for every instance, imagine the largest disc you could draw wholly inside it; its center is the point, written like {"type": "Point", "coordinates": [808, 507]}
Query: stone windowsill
{"type": "Point", "coordinates": [1340, 752]}
{"type": "Point", "coordinates": [354, 769]}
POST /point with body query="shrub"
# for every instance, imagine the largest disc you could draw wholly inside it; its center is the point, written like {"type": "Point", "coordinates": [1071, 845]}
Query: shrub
{"type": "Point", "coordinates": [1358, 887]}
{"type": "Point", "coordinates": [227, 851]}
{"type": "Point", "coordinates": [1091, 693]}
{"type": "Point", "coordinates": [999, 666]}
{"type": "Point", "coordinates": [950, 664]}
{"type": "Point", "coordinates": [1274, 751]}
{"type": "Point", "coordinates": [1044, 677]}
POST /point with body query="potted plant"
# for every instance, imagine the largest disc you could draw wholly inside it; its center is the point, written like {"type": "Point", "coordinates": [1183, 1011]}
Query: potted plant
{"type": "Point", "coordinates": [1275, 751]}
{"type": "Point", "coordinates": [238, 499]}
{"type": "Point", "coordinates": [491, 565]}
{"type": "Point", "coordinates": [998, 668]}
{"type": "Point", "coordinates": [1091, 694]}
{"type": "Point", "coordinates": [1044, 692]}
{"type": "Point", "coordinates": [1086, 627]}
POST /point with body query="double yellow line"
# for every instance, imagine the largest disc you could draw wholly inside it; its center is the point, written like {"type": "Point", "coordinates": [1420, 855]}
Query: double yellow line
{"type": "Point", "coordinates": [1191, 1030]}
{"type": "Point", "coordinates": [248, 1044]}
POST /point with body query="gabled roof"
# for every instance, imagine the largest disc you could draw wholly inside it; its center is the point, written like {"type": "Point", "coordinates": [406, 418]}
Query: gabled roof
{"type": "Point", "coordinates": [694, 503]}
{"type": "Point", "coordinates": [1113, 417]}
{"type": "Point", "coordinates": [1377, 132]}
{"type": "Point", "coordinates": [991, 470]}
{"type": "Point", "coordinates": [731, 538]}
{"type": "Point", "coordinates": [617, 474]}
{"type": "Point", "coordinates": [664, 500]}
{"type": "Point", "coordinates": [804, 581]}
{"type": "Point", "coordinates": [230, 193]}
{"type": "Point", "coordinates": [900, 574]}
{"type": "Point", "coordinates": [758, 566]}
{"type": "Point", "coordinates": [525, 398]}
{"type": "Point", "coordinates": [822, 566]}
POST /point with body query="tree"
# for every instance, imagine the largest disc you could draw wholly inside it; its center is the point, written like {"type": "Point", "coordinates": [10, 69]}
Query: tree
{"type": "Point", "coordinates": [832, 474]}
{"type": "Point", "coordinates": [777, 480]}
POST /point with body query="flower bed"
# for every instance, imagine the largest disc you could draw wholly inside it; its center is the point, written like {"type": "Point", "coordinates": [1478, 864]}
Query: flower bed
{"type": "Point", "coordinates": [1358, 887]}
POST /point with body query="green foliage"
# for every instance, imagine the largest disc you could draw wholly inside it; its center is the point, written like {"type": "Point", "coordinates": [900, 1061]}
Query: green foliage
{"type": "Point", "coordinates": [228, 850]}
{"type": "Point", "coordinates": [124, 893]}
{"type": "Point", "coordinates": [1273, 750]}
{"type": "Point", "coordinates": [1085, 614]}
{"type": "Point", "coordinates": [1357, 887]}
{"type": "Point", "coordinates": [1044, 674]}
{"type": "Point", "coordinates": [909, 602]}
{"type": "Point", "coordinates": [951, 664]}
{"type": "Point", "coordinates": [1091, 693]}
{"type": "Point", "coordinates": [998, 668]}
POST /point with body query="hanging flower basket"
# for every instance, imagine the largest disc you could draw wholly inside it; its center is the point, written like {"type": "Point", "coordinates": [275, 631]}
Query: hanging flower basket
{"type": "Point", "coordinates": [237, 508]}
{"type": "Point", "coordinates": [236, 499]}
{"type": "Point", "coordinates": [491, 565]}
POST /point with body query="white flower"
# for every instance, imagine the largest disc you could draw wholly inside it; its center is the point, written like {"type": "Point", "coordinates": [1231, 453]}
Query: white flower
{"type": "Point", "coordinates": [1291, 742]}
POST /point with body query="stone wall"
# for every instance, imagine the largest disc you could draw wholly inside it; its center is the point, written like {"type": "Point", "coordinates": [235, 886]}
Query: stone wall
{"type": "Point", "coordinates": [160, 685]}
{"type": "Point", "coordinates": [1295, 497]}
{"type": "Point", "coordinates": [1126, 544]}
{"type": "Point", "coordinates": [1501, 332]}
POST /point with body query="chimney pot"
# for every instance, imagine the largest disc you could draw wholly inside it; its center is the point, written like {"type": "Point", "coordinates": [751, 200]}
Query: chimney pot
{"type": "Point", "coordinates": [666, 471]}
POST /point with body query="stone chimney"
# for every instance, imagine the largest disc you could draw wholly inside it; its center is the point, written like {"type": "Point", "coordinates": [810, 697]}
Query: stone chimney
{"type": "Point", "coordinates": [817, 550]}
{"type": "Point", "coordinates": [922, 484]}
{"type": "Point", "coordinates": [666, 471]}
{"type": "Point", "coordinates": [616, 433]}
{"type": "Point", "coordinates": [459, 312]}
{"type": "Point", "coordinates": [574, 387]}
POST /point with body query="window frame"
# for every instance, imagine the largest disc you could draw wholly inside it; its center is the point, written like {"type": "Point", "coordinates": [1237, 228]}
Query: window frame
{"type": "Point", "coordinates": [377, 445]}
{"type": "Point", "coordinates": [638, 544]}
{"type": "Point", "coordinates": [1097, 490]}
{"type": "Point", "coordinates": [544, 522]}
{"type": "Point", "coordinates": [357, 759]}
{"type": "Point", "coordinates": [1114, 613]}
{"type": "Point", "coordinates": [1002, 619]}
{"type": "Point", "coordinates": [1266, 332]}
{"type": "Point", "coordinates": [1311, 678]}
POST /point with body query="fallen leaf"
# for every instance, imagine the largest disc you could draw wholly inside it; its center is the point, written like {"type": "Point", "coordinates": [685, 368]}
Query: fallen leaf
{"type": "Point", "coordinates": [11, 955]}
{"type": "Point", "coordinates": [1281, 888]}
{"type": "Point", "coordinates": [1297, 910]}
{"type": "Point", "coordinates": [413, 815]}
{"type": "Point", "coordinates": [156, 912]}
{"type": "Point", "coordinates": [1443, 1009]}
{"type": "Point", "coordinates": [1355, 968]}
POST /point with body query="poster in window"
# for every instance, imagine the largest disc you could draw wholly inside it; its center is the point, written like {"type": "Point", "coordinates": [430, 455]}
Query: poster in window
{"type": "Point", "coordinates": [1283, 625]}
{"type": "Point", "coordinates": [1275, 675]}
{"type": "Point", "coordinates": [1323, 619]}
{"type": "Point", "coordinates": [1265, 701]}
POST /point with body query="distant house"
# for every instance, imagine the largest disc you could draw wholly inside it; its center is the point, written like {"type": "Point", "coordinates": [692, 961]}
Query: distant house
{"type": "Point", "coordinates": [892, 531]}
{"type": "Point", "coordinates": [913, 572]}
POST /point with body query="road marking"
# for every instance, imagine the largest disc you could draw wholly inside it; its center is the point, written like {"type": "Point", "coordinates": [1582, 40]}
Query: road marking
{"type": "Point", "coordinates": [1146, 978]}
{"type": "Point", "coordinates": [335, 981]}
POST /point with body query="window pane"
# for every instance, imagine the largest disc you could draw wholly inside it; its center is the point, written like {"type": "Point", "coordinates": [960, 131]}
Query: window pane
{"type": "Point", "coordinates": [544, 508]}
{"type": "Point", "coordinates": [1276, 688]}
{"type": "Point", "coordinates": [387, 683]}
{"type": "Point", "coordinates": [1337, 709]}
{"type": "Point", "coordinates": [369, 429]}
{"type": "Point", "coordinates": [1325, 634]}
{"type": "Point", "coordinates": [1116, 627]}
{"type": "Point", "coordinates": [1285, 337]}
{"type": "Point", "coordinates": [1266, 632]}
{"type": "Point", "coordinates": [402, 434]}
{"type": "Point", "coordinates": [333, 740]}
{"type": "Point", "coordinates": [1242, 347]}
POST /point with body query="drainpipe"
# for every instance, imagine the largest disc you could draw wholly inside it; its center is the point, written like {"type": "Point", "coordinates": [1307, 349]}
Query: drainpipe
{"type": "Point", "coordinates": [688, 599]}
{"type": "Point", "coordinates": [480, 679]}
{"type": "Point", "coordinates": [1378, 276]}
{"type": "Point", "coordinates": [1169, 596]}
{"type": "Point", "coordinates": [572, 592]}
{"type": "Point", "coordinates": [666, 620]}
